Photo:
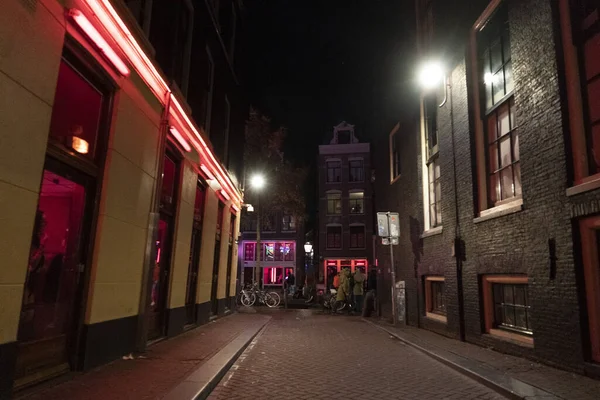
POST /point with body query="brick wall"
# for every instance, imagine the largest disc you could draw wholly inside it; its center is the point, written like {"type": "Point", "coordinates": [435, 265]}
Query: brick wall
{"type": "Point", "coordinates": [515, 243]}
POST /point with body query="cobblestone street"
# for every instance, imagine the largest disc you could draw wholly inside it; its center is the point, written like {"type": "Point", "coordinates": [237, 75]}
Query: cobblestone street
{"type": "Point", "coordinates": [304, 356]}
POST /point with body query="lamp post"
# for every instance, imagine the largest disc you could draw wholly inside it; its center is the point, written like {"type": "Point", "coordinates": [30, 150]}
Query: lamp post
{"type": "Point", "coordinates": [257, 182]}
{"type": "Point", "coordinates": [308, 247]}
{"type": "Point", "coordinates": [431, 75]}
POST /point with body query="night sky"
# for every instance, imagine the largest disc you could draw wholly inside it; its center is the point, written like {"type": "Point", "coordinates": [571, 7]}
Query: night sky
{"type": "Point", "coordinates": [314, 63]}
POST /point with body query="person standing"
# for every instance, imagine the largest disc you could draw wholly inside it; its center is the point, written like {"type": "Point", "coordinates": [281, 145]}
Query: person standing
{"type": "Point", "coordinates": [359, 290]}
{"type": "Point", "coordinates": [343, 290]}
{"type": "Point", "coordinates": [290, 281]}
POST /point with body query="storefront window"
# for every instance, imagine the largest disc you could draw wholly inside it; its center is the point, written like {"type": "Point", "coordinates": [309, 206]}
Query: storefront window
{"type": "Point", "coordinates": [249, 251]}
{"type": "Point", "coordinates": [273, 276]}
{"type": "Point", "coordinates": [269, 251]}
{"type": "Point", "coordinates": [76, 112]}
{"type": "Point", "coordinates": [289, 252]}
{"type": "Point", "coordinates": [51, 281]}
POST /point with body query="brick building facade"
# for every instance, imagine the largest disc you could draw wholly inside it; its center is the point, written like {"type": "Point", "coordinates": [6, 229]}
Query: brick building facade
{"type": "Point", "coordinates": [497, 183]}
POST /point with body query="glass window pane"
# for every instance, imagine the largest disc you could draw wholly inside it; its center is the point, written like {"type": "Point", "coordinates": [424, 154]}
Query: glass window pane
{"type": "Point", "coordinates": [438, 191]}
{"type": "Point", "coordinates": [433, 215]}
{"type": "Point", "coordinates": [492, 126]}
{"type": "Point", "coordinates": [506, 44]}
{"type": "Point", "coordinates": [508, 294]}
{"type": "Point", "coordinates": [509, 315]}
{"type": "Point", "coordinates": [515, 145]}
{"type": "Point", "coordinates": [520, 295]}
{"type": "Point", "coordinates": [494, 188]}
{"type": "Point", "coordinates": [431, 193]}
{"type": "Point", "coordinates": [437, 169]}
{"type": "Point", "coordinates": [508, 77]}
{"type": "Point", "coordinates": [506, 177]}
{"type": "Point", "coordinates": [489, 98]}
{"type": "Point", "coordinates": [498, 86]}
{"type": "Point", "coordinates": [518, 189]}
{"type": "Point", "coordinates": [505, 156]}
{"type": "Point", "coordinates": [439, 214]}
{"type": "Point", "coordinates": [521, 318]}
{"type": "Point", "coordinates": [503, 119]}
{"type": "Point", "coordinates": [493, 157]}
{"type": "Point", "coordinates": [496, 59]}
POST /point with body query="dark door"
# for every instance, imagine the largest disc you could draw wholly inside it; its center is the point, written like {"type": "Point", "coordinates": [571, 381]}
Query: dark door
{"type": "Point", "coordinates": [192, 281]}
{"type": "Point", "coordinates": [57, 259]}
{"type": "Point", "coordinates": [217, 259]}
{"type": "Point", "coordinates": [159, 290]}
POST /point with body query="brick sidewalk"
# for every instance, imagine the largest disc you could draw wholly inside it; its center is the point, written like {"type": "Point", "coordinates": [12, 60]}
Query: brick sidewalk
{"type": "Point", "coordinates": [164, 365]}
{"type": "Point", "coordinates": [560, 383]}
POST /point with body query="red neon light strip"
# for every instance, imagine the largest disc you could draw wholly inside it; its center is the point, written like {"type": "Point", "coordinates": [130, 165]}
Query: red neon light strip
{"type": "Point", "coordinates": [180, 139]}
{"type": "Point", "coordinates": [207, 172]}
{"type": "Point", "coordinates": [236, 208]}
{"type": "Point", "coordinates": [113, 23]}
{"type": "Point", "coordinates": [98, 40]}
{"type": "Point", "coordinates": [225, 195]}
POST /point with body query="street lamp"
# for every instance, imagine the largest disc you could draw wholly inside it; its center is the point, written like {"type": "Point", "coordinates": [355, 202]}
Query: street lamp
{"type": "Point", "coordinates": [308, 247]}
{"type": "Point", "coordinates": [431, 74]}
{"type": "Point", "coordinates": [257, 182]}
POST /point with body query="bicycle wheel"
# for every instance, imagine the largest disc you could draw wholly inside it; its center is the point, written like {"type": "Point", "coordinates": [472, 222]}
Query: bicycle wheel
{"type": "Point", "coordinates": [339, 306]}
{"type": "Point", "coordinates": [248, 299]}
{"type": "Point", "coordinates": [277, 298]}
{"type": "Point", "coordinates": [270, 301]}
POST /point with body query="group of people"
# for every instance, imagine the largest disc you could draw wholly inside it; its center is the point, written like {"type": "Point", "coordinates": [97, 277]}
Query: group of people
{"type": "Point", "coordinates": [351, 286]}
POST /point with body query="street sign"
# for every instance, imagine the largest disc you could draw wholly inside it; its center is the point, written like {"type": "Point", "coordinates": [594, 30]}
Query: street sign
{"type": "Point", "coordinates": [383, 228]}
{"type": "Point", "coordinates": [388, 224]}
{"type": "Point", "coordinates": [386, 241]}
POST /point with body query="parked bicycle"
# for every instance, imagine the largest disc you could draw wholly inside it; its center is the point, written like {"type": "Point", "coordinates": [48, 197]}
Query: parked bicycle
{"type": "Point", "coordinates": [249, 295]}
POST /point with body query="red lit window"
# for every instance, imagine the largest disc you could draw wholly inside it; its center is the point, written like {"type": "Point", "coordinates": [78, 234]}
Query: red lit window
{"type": "Point", "coordinates": [289, 252]}
{"type": "Point", "coordinates": [76, 112]}
{"type": "Point", "coordinates": [249, 251]}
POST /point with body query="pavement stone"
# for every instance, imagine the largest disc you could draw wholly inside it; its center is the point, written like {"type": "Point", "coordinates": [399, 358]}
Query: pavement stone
{"type": "Point", "coordinates": [302, 355]}
{"type": "Point", "coordinates": [159, 370]}
{"type": "Point", "coordinates": [560, 383]}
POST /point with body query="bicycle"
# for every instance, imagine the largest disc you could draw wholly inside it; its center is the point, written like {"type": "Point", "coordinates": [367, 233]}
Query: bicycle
{"type": "Point", "coordinates": [249, 295]}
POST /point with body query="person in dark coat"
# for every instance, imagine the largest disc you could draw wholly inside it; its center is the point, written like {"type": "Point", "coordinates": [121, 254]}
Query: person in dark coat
{"type": "Point", "coordinates": [371, 293]}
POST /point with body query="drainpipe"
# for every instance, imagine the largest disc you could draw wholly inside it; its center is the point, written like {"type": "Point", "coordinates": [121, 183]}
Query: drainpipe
{"type": "Point", "coordinates": [458, 242]}
{"type": "Point", "coordinates": [150, 252]}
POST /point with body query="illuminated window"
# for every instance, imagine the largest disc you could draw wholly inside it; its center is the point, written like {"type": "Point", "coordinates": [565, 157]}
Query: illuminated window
{"type": "Point", "coordinates": [334, 237]}
{"type": "Point", "coordinates": [356, 202]}
{"type": "Point", "coordinates": [249, 251]}
{"type": "Point", "coordinates": [269, 251]}
{"type": "Point", "coordinates": [433, 191]}
{"type": "Point", "coordinates": [288, 223]}
{"type": "Point", "coordinates": [498, 108]}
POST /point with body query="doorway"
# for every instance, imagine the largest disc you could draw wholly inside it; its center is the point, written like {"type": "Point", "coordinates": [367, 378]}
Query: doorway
{"type": "Point", "coordinates": [57, 259]}
{"type": "Point", "coordinates": [217, 258]}
{"type": "Point", "coordinates": [194, 262]}
{"type": "Point", "coordinates": [160, 273]}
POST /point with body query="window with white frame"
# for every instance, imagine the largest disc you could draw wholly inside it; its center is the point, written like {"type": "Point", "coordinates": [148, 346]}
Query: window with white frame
{"type": "Point", "coordinates": [334, 237]}
{"type": "Point", "coordinates": [356, 171]}
{"type": "Point", "coordinates": [334, 171]}
{"type": "Point", "coordinates": [498, 109]}
{"type": "Point", "coordinates": [432, 167]}
{"type": "Point", "coordinates": [334, 203]}
{"type": "Point", "coordinates": [356, 202]}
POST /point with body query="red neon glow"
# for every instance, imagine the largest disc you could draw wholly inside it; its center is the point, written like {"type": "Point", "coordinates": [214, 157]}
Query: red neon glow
{"type": "Point", "coordinates": [207, 172]}
{"type": "Point", "coordinates": [158, 256]}
{"type": "Point", "coordinates": [112, 22]}
{"type": "Point", "coordinates": [114, 25]}
{"type": "Point", "coordinates": [180, 139]}
{"type": "Point", "coordinates": [235, 208]}
{"type": "Point", "coordinates": [98, 40]}
{"type": "Point", "coordinates": [377, 262]}
{"type": "Point", "coordinates": [224, 194]}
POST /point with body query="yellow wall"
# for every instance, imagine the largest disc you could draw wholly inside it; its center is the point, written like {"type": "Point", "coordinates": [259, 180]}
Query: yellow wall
{"type": "Point", "coordinates": [126, 198]}
{"type": "Point", "coordinates": [208, 246]}
{"type": "Point", "coordinates": [234, 257]}
{"type": "Point", "coordinates": [222, 282]}
{"type": "Point", "coordinates": [31, 47]}
{"type": "Point", "coordinates": [183, 237]}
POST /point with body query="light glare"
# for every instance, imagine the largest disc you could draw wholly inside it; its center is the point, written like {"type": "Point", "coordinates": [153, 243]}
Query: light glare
{"type": "Point", "coordinates": [258, 181]}
{"type": "Point", "coordinates": [431, 75]}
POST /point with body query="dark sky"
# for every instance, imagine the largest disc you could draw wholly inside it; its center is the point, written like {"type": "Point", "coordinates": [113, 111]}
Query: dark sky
{"type": "Point", "coordinates": [314, 63]}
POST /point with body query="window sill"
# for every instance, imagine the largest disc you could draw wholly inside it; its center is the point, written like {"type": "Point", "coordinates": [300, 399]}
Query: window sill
{"type": "Point", "coordinates": [514, 338]}
{"type": "Point", "coordinates": [436, 317]}
{"type": "Point", "coordinates": [432, 232]}
{"type": "Point", "coordinates": [592, 184]}
{"type": "Point", "coordinates": [500, 211]}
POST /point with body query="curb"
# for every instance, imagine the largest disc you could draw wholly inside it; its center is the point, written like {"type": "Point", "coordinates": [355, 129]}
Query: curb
{"type": "Point", "coordinates": [201, 382]}
{"type": "Point", "coordinates": [487, 376]}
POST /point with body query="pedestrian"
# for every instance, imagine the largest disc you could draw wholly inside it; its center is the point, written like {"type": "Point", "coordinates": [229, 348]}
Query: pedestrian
{"type": "Point", "coordinates": [359, 290]}
{"type": "Point", "coordinates": [290, 281]}
{"type": "Point", "coordinates": [370, 298]}
{"type": "Point", "coordinates": [343, 290]}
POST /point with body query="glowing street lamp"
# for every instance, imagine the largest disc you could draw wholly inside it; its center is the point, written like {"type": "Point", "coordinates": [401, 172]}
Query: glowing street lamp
{"type": "Point", "coordinates": [431, 74]}
{"type": "Point", "coordinates": [257, 181]}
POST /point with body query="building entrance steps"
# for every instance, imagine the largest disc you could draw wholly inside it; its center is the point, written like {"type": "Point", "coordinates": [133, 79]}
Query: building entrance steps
{"type": "Point", "coordinates": [187, 365]}
{"type": "Point", "coordinates": [514, 377]}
